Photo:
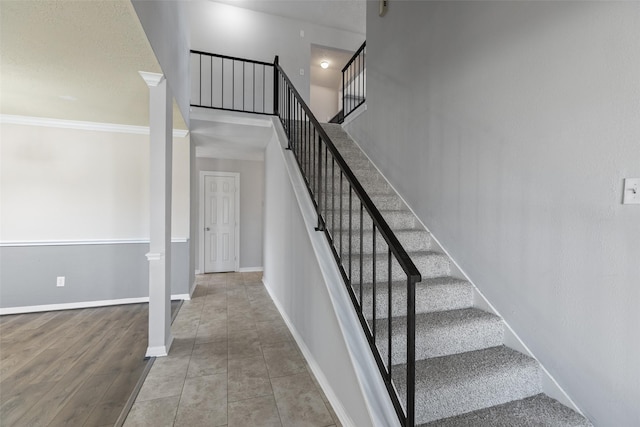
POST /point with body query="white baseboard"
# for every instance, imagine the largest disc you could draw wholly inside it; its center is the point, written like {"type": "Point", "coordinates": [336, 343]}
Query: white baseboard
{"type": "Point", "coordinates": [161, 350]}
{"type": "Point", "coordinates": [192, 290]}
{"type": "Point", "coordinates": [342, 414]}
{"type": "Point", "coordinates": [83, 304]}
{"type": "Point", "coordinates": [250, 269]}
{"type": "Point", "coordinates": [197, 272]}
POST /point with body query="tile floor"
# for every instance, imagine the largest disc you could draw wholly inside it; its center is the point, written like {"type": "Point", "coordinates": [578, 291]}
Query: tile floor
{"type": "Point", "coordinates": [233, 363]}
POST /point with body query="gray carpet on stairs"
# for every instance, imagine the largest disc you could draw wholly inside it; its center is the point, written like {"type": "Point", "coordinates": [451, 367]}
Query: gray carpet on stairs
{"type": "Point", "coordinates": [465, 376]}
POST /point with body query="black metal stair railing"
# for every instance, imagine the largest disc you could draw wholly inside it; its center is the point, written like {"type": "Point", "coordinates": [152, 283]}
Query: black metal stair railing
{"type": "Point", "coordinates": [354, 89]}
{"type": "Point", "coordinates": [367, 252]}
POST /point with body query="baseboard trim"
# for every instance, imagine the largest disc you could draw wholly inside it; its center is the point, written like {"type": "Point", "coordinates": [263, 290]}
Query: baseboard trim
{"type": "Point", "coordinates": [192, 289]}
{"type": "Point", "coordinates": [159, 350]}
{"type": "Point", "coordinates": [340, 411]}
{"type": "Point", "coordinates": [250, 269]}
{"type": "Point", "coordinates": [83, 304]}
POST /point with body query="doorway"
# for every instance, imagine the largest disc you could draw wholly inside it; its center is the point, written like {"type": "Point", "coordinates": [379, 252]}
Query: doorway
{"type": "Point", "coordinates": [219, 220]}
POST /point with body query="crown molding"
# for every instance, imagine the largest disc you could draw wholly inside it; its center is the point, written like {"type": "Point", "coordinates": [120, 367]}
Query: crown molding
{"type": "Point", "coordinates": [80, 125]}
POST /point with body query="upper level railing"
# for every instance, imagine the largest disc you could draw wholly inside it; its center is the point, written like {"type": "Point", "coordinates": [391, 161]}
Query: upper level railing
{"type": "Point", "coordinates": [370, 258]}
{"type": "Point", "coordinates": [354, 89]}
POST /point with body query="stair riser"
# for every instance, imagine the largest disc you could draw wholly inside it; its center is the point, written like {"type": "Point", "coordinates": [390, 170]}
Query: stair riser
{"type": "Point", "coordinates": [396, 220]}
{"type": "Point", "coordinates": [410, 241]}
{"type": "Point", "coordinates": [428, 265]}
{"type": "Point", "coordinates": [380, 200]}
{"type": "Point", "coordinates": [428, 299]}
{"type": "Point", "coordinates": [495, 390]}
{"type": "Point", "coordinates": [437, 342]}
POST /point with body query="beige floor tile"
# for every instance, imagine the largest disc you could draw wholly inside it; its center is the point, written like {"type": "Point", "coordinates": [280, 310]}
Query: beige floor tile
{"type": "Point", "coordinates": [273, 332]}
{"type": "Point", "coordinates": [248, 378]}
{"type": "Point", "coordinates": [153, 413]}
{"type": "Point", "coordinates": [242, 349]}
{"type": "Point", "coordinates": [299, 402]}
{"type": "Point", "coordinates": [181, 347]}
{"type": "Point", "coordinates": [208, 359]}
{"type": "Point", "coordinates": [170, 367]}
{"type": "Point", "coordinates": [259, 411]}
{"type": "Point", "coordinates": [212, 332]}
{"type": "Point", "coordinates": [283, 359]}
{"type": "Point", "coordinates": [156, 388]}
{"type": "Point", "coordinates": [203, 401]}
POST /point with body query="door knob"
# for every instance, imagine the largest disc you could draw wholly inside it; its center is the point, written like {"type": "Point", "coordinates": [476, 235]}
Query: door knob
{"type": "Point", "coordinates": [206, 228]}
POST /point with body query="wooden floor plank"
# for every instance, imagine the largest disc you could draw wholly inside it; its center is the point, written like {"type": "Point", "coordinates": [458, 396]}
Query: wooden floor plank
{"type": "Point", "coordinates": [75, 367]}
{"type": "Point", "coordinates": [81, 404]}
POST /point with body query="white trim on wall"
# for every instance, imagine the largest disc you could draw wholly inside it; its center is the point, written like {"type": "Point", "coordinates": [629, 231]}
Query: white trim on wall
{"type": "Point", "coordinates": [83, 304]}
{"type": "Point", "coordinates": [83, 242]}
{"type": "Point", "coordinates": [201, 198]}
{"type": "Point", "coordinates": [250, 269]}
{"type": "Point", "coordinates": [80, 125]}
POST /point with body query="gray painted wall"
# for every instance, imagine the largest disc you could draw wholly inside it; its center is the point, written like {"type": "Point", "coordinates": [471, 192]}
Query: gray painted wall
{"type": "Point", "coordinates": [509, 127]}
{"type": "Point", "coordinates": [251, 204]}
{"type": "Point", "coordinates": [93, 273]}
{"type": "Point", "coordinates": [166, 24]}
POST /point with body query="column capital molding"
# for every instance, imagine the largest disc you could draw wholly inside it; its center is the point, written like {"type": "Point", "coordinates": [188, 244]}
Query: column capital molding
{"type": "Point", "coordinates": [151, 79]}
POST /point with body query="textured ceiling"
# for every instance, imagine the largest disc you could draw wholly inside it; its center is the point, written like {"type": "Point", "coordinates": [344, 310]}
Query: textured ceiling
{"type": "Point", "coordinates": [75, 60]}
{"type": "Point", "coordinates": [349, 15]}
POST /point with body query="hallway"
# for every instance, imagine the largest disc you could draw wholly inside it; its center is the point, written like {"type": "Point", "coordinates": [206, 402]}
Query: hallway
{"type": "Point", "coordinates": [233, 363]}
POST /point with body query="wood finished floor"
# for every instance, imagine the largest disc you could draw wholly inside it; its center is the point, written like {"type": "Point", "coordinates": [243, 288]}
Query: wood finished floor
{"type": "Point", "coordinates": [70, 368]}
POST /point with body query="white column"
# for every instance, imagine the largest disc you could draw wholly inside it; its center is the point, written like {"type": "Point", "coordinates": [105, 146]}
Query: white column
{"type": "Point", "coordinates": [159, 256]}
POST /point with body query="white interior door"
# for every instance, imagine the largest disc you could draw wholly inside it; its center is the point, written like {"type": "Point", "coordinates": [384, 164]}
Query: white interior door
{"type": "Point", "coordinates": [220, 226]}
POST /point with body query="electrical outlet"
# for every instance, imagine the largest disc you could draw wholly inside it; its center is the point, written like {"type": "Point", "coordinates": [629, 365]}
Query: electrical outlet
{"type": "Point", "coordinates": [301, 33]}
{"type": "Point", "coordinates": [60, 281]}
{"type": "Point", "coordinates": [302, 71]}
{"type": "Point", "coordinates": [631, 191]}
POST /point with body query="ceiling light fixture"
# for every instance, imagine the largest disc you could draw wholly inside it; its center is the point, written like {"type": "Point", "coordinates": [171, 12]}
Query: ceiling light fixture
{"type": "Point", "coordinates": [324, 64]}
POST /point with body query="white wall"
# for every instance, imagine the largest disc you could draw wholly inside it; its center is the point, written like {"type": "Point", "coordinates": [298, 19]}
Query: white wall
{"type": "Point", "coordinates": [65, 184]}
{"type": "Point", "coordinates": [228, 30]}
{"type": "Point", "coordinates": [251, 204]}
{"type": "Point", "coordinates": [508, 127]}
{"type": "Point", "coordinates": [166, 24]}
{"type": "Point", "coordinates": [324, 103]}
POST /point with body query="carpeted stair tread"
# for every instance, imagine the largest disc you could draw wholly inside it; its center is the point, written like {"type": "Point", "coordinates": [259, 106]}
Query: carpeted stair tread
{"type": "Point", "coordinates": [452, 385]}
{"type": "Point", "coordinates": [536, 411]}
{"type": "Point", "coordinates": [441, 333]}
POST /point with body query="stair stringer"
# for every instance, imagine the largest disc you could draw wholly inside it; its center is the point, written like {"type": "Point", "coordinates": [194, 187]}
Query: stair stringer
{"type": "Point", "coordinates": [511, 339]}
{"type": "Point", "coordinates": [379, 405]}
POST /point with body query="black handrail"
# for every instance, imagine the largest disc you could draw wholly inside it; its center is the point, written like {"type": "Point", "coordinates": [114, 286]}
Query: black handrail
{"type": "Point", "coordinates": [312, 147]}
{"type": "Point", "coordinates": [354, 90]}
{"type": "Point", "coordinates": [323, 168]}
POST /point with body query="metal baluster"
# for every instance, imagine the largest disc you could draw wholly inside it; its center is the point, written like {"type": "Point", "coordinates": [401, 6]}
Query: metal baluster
{"type": "Point", "coordinates": [389, 309]}
{"type": "Point", "coordinates": [373, 228]}
{"type": "Point", "coordinates": [350, 233]}
{"type": "Point", "coordinates": [411, 350]}
{"type": "Point", "coordinates": [361, 253]}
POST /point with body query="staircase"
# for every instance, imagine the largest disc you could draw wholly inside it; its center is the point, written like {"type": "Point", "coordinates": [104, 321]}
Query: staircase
{"type": "Point", "coordinates": [465, 375]}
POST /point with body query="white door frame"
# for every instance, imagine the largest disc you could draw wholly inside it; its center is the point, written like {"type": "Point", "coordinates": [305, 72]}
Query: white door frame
{"type": "Point", "coordinates": [203, 174]}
